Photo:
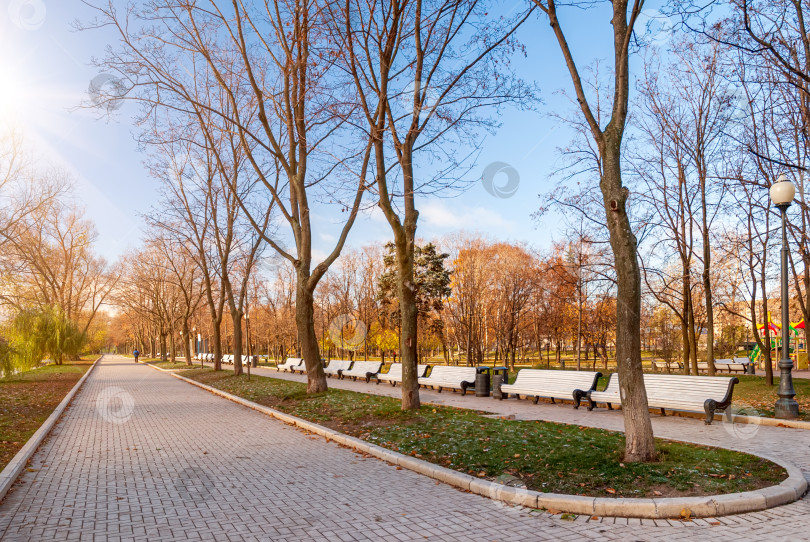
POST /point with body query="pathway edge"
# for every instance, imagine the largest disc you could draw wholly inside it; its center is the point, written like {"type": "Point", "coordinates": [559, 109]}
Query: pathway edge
{"type": "Point", "coordinates": [12, 471]}
{"type": "Point", "coordinates": [790, 490]}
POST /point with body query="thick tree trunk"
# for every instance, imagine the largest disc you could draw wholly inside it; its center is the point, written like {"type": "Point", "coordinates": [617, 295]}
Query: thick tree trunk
{"type": "Point", "coordinates": [640, 444]}
{"type": "Point", "coordinates": [162, 347]}
{"type": "Point", "coordinates": [308, 341]}
{"type": "Point", "coordinates": [406, 290]}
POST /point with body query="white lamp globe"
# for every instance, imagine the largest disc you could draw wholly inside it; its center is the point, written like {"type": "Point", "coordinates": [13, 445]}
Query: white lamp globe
{"type": "Point", "coordinates": [782, 191]}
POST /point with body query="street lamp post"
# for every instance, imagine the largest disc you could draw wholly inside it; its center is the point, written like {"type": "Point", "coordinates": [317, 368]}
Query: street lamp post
{"type": "Point", "coordinates": [782, 193]}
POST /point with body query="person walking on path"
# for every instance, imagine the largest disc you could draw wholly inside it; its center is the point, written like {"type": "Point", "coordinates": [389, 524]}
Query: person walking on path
{"type": "Point", "coordinates": [136, 354]}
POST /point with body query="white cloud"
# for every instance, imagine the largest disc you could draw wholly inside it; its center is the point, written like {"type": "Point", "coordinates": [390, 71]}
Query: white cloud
{"type": "Point", "coordinates": [441, 215]}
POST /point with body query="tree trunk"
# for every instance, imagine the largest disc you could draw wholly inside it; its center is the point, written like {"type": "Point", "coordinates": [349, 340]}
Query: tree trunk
{"type": "Point", "coordinates": [162, 347]}
{"type": "Point", "coordinates": [707, 287]}
{"type": "Point", "coordinates": [640, 443]}
{"type": "Point", "coordinates": [308, 341]}
{"type": "Point", "coordinates": [215, 324]}
{"type": "Point", "coordinates": [190, 341]}
{"type": "Point", "coordinates": [406, 290]}
{"type": "Point", "coordinates": [692, 337]}
{"type": "Point", "coordinates": [236, 320]}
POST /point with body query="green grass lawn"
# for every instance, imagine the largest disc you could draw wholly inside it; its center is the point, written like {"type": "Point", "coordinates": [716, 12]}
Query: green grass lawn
{"type": "Point", "coordinates": [753, 392]}
{"type": "Point", "coordinates": [547, 457]}
{"type": "Point", "coordinates": [27, 399]}
{"type": "Point", "coordinates": [169, 365]}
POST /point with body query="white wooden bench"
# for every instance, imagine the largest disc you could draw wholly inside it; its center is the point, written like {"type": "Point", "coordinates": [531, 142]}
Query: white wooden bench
{"type": "Point", "coordinates": [730, 366]}
{"type": "Point", "coordinates": [363, 369]}
{"type": "Point", "coordinates": [290, 364]}
{"type": "Point", "coordinates": [667, 366]}
{"type": "Point", "coordinates": [337, 365]}
{"type": "Point", "coordinates": [445, 376]}
{"type": "Point", "coordinates": [394, 373]}
{"type": "Point", "coordinates": [537, 383]}
{"type": "Point", "coordinates": [675, 392]}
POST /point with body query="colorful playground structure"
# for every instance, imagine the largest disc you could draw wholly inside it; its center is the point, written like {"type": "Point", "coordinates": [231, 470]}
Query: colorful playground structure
{"type": "Point", "coordinates": [797, 346]}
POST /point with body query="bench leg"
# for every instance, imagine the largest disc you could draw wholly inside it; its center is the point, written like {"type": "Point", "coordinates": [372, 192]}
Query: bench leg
{"type": "Point", "coordinates": [663, 412]}
{"type": "Point", "coordinates": [440, 389]}
{"type": "Point", "coordinates": [591, 404]}
{"type": "Point", "coordinates": [577, 398]}
{"type": "Point", "coordinates": [552, 401]}
{"type": "Point", "coordinates": [537, 399]}
{"type": "Point", "coordinates": [710, 405]}
{"type": "Point", "coordinates": [610, 407]}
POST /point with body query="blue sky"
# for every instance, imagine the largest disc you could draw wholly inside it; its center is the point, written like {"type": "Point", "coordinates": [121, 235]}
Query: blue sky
{"type": "Point", "coordinates": [45, 73]}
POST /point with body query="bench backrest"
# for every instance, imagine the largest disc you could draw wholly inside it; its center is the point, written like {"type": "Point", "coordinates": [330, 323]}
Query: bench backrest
{"type": "Point", "coordinates": [686, 387]}
{"type": "Point", "coordinates": [722, 361]}
{"type": "Point", "coordinates": [452, 374]}
{"type": "Point", "coordinates": [292, 362]}
{"type": "Point", "coordinates": [339, 365]}
{"type": "Point", "coordinates": [699, 387]}
{"type": "Point", "coordinates": [363, 367]}
{"type": "Point", "coordinates": [395, 370]}
{"type": "Point", "coordinates": [564, 380]}
{"type": "Point", "coordinates": [744, 361]}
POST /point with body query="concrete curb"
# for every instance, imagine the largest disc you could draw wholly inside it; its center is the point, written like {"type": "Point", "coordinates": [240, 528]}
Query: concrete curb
{"type": "Point", "coordinates": [12, 471]}
{"type": "Point", "coordinates": [790, 490]}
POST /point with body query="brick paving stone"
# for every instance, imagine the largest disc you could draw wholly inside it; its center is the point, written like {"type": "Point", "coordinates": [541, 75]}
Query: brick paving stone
{"type": "Point", "coordinates": [140, 455]}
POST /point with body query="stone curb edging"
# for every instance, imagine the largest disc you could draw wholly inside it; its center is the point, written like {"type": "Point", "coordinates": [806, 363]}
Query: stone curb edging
{"type": "Point", "coordinates": [772, 422]}
{"type": "Point", "coordinates": [12, 471]}
{"type": "Point", "coordinates": [790, 490]}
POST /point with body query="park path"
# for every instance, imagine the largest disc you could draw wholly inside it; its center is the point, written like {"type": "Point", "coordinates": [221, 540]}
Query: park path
{"type": "Point", "coordinates": [140, 455]}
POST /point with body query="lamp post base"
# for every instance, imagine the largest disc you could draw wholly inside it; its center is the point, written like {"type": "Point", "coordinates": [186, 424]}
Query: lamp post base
{"type": "Point", "coordinates": [786, 408]}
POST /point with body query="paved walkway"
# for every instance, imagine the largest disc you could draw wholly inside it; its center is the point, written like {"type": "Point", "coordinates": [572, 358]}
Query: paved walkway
{"type": "Point", "coordinates": [143, 456]}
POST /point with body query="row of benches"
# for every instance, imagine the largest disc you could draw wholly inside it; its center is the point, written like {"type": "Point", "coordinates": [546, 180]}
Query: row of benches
{"type": "Point", "coordinates": [226, 358]}
{"type": "Point", "coordinates": [736, 365]}
{"type": "Point", "coordinates": [665, 392]}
